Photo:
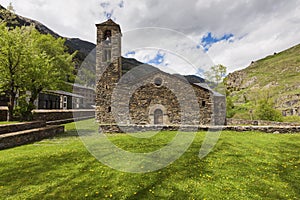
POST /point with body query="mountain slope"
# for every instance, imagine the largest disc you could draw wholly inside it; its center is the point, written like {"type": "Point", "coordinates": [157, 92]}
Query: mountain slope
{"type": "Point", "coordinates": [276, 77]}
{"type": "Point", "coordinates": [130, 63]}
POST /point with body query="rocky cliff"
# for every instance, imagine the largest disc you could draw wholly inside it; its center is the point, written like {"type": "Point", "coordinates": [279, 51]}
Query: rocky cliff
{"type": "Point", "coordinates": [276, 77]}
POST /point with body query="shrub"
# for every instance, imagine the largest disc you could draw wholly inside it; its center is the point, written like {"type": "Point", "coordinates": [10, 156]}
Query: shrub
{"type": "Point", "coordinates": [23, 110]}
{"type": "Point", "coordinates": [265, 111]}
{"type": "Point", "coordinates": [230, 111]}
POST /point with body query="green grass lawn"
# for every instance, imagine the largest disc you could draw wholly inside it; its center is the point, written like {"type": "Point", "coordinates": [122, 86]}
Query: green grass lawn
{"type": "Point", "coordinates": [5, 122]}
{"type": "Point", "coordinates": [248, 165]}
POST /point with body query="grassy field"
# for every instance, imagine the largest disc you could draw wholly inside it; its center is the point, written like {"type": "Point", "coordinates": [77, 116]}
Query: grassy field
{"type": "Point", "coordinates": [248, 165]}
{"type": "Point", "coordinates": [5, 122]}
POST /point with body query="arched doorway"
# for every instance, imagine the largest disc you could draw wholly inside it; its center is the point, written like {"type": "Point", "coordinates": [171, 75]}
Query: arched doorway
{"type": "Point", "coordinates": [158, 116]}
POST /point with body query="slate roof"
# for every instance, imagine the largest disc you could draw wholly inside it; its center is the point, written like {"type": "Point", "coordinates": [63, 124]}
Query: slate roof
{"type": "Point", "coordinates": [60, 92]}
{"type": "Point", "coordinates": [141, 72]}
{"type": "Point", "coordinates": [205, 86]}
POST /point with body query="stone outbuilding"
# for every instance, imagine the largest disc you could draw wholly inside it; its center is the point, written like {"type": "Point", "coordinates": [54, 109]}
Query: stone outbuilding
{"type": "Point", "coordinates": [146, 95]}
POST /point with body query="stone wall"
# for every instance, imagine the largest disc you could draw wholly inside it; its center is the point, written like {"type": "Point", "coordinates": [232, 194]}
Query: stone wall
{"type": "Point", "coordinates": [8, 128]}
{"type": "Point", "coordinates": [149, 96]}
{"type": "Point", "coordinates": [106, 84]}
{"type": "Point", "coordinates": [231, 121]}
{"type": "Point", "coordinates": [265, 129]}
{"type": "Point", "coordinates": [144, 128]}
{"type": "Point", "coordinates": [206, 105]}
{"type": "Point", "coordinates": [135, 100]}
{"type": "Point", "coordinates": [108, 71]}
{"type": "Point", "coordinates": [54, 115]}
{"type": "Point", "coordinates": [219, 114]}
{"type": "Point", "coordinates": [25, 137]}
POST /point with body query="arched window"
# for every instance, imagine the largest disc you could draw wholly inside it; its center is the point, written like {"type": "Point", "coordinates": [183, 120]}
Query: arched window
{"type": "Point", "coordinates": [158, 116]}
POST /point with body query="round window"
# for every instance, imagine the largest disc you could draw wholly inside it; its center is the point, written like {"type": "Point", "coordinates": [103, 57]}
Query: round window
{"type": "Point", "coordinates": [158, 82]}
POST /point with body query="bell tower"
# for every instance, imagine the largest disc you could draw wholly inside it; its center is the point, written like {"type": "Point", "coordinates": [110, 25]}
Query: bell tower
{"type": "Point", "coordinates": [108, 68]}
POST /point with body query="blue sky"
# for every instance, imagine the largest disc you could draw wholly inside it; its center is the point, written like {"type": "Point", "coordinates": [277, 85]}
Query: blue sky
{"type": "Point", "coordinates": [209, 39]}
{"type": "Point", "coordinates": [130, 54]}
{"type": "Point", "coordinates": [158, 59]}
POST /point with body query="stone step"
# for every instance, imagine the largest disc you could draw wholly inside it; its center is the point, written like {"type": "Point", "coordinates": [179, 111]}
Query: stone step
{"type": "Point", "coordinates": [18, 138]}
{"type": "Point", "coordinates": [10, 128]}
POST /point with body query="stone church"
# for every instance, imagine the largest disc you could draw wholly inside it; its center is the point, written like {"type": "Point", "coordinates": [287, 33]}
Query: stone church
{"type": "Point", "coordinates": [147, 96]}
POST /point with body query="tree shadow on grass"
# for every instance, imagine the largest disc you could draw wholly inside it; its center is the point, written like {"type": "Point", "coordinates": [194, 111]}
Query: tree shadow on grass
{"type": "Point", "coordinates": [60, 168]}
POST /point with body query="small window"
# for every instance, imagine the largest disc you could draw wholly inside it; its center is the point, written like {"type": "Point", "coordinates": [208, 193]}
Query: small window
{"type": "Point", "coordinates": [106, 55]}
{"type": "Point", "coordinates": [158, 82]}
{"type": "Point", "coordinates": [203, 103]}
{"type": "Point", "coordinates": [222, 106]}
{"type": "Point", "coordinates": [109, 109]}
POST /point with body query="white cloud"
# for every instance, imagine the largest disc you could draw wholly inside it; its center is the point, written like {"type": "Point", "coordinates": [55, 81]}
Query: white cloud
{"type": "Point", "coordinates": [181, 52]}
{"type": "Point", "coordinates": [259, 27]}
{"type": "Point", "coordinates": [268, 37]}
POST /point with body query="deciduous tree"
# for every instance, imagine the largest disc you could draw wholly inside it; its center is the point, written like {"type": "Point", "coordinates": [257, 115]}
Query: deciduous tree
{"type": "Point", "coordinates": [266, 111]}
{"type": "Point", "coordinates": [216, 73]}
{"type": "Point", "coordinates": [13, 59]}
{"type": "Point", "coordinates": [48, 65]}
{"type": "Point", "coordinates": [30, 61]}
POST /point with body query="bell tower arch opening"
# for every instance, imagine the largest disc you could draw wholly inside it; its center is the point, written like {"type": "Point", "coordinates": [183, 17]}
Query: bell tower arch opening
{"type": "Point", "coordinates": [107, 35]}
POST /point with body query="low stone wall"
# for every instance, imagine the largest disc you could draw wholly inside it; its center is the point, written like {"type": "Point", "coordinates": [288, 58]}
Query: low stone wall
{"type": "Point", "coordinates": [25, 137]}
{"type": "Point", "coordinates": [9, 128]}
{"type": "Point", "coordinates": [54, 115]}
{"type": "Point", "coordinates": [232, 122]}
{"type": "Point", "coordinates": [3, 113]}
{"type": "Point", "coordinates": [265, 129]}
{"type": "Point", "coordinates": [144, 128]}
{"type": "Point", "coordinates": [134, 128]}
